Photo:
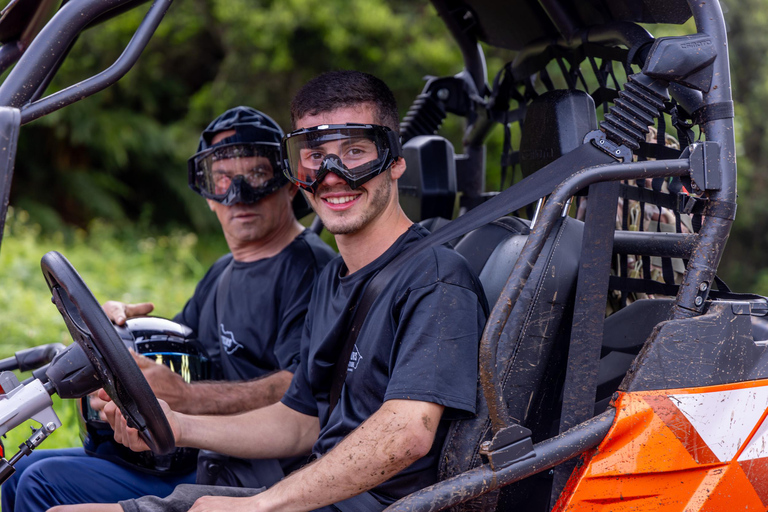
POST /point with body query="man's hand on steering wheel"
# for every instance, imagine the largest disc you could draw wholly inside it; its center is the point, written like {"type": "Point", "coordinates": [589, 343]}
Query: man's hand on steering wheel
{"type": "Point", "coordinates": [126, 435]}
{"type": "Point", "coordinates": [119, 312]}
{"type": "Point", "coordinates": [167, 384]}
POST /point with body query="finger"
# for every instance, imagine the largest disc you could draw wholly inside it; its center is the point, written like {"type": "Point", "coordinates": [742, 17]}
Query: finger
{"type": "Point", "coordinates": [115, 311]}
{"type": "Point", "coordinates": [142, 362]}
{"type": "Point", "coordinates": [103, 395]}
{"type": "Point", "coordinates": [142, 308]}
{"type": "Point", "coordinates": [126, 435]}
{"type": "Point", "coordinates": [109, 413]}
{"type": "Point", "coordinates": [97, 404]}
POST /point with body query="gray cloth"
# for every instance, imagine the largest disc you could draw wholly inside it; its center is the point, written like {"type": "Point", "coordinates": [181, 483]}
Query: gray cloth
{"type": "Point", "coordinates": [183, 497]}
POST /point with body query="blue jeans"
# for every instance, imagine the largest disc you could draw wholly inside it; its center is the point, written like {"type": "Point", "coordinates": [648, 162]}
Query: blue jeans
{"type": "Point", "coordinates": [69, 476]}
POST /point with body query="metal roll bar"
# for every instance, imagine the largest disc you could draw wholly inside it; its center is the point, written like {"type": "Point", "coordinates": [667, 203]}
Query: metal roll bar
{"type": "Point", "coordinates": [483, 479]}
{"type": "Point", "coordinates": [506, 319]}
{"type": "Point", "coordinates": [44, 54]}
{"type": "Point", "coordinates": [714, 231]}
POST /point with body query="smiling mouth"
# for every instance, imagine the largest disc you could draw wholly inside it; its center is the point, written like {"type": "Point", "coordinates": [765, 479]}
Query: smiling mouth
{"type": "Point", "coordinates": [340, 200]}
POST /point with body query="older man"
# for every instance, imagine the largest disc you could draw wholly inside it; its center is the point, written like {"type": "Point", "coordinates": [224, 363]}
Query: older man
{"type": "Point", "coordinates": [248, 311]}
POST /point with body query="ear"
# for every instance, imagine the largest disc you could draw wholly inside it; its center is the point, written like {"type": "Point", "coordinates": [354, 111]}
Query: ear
{"type": "Point", "coordinates": [398, 168]}
{"type": "Point", "coordinates": [292, 190]}
{"type": "Point", "coordinates": [211, 203]}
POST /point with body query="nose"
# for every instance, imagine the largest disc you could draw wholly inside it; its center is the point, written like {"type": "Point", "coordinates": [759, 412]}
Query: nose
{"type": "Point", "coordinates": [331, 179]}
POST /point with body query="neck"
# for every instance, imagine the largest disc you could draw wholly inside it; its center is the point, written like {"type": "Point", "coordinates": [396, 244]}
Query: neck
{"type": "Point", "coordinates": [361, 248]}
{"type": "Point", "coordinates": [267, 246]}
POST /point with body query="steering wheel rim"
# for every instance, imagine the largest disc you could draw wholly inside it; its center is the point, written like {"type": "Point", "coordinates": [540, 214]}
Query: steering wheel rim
{"type": "Point", "coordinates": [116, 370]}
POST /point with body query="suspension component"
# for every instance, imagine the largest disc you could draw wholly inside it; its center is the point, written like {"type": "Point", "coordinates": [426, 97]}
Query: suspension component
{"type": "Point", "coordinates": [638, 105]}
{"type": "Point", "coordinates": [441, 96]}
{"type": "Point", "coordinates": [424, 117]}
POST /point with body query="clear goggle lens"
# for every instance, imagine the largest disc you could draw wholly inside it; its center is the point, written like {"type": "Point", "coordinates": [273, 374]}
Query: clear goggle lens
{"type": "Point", "coordinates": [212, 171]}
{"type": "Point", "coordinates": [355, 152]}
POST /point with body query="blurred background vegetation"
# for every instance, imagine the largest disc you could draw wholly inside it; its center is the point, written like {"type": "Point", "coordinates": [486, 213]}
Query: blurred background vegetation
{"type": "Point", "coordinates": [104, 180]}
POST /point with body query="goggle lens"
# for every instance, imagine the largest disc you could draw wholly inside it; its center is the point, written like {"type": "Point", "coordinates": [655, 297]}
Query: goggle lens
{"type": "Point", "coordinates": [358, 152]}
{"type": "Point", "coordinates": [213, 171]}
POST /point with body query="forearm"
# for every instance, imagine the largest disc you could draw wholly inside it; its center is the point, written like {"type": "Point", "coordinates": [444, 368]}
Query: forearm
{"type": "Point", "coordinates": [234, 397]}
{"type": "Point", "coordinates": [388, 442]}
{"type": "Point", "coordinates": [274, 431]}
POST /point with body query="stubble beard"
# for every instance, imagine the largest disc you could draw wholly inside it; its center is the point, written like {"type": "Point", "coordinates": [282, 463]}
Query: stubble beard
{"type": "Point", "coordinates": [339, 224]}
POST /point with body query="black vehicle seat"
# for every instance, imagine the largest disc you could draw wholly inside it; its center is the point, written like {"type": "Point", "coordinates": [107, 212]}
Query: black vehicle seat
{"type": "Point", "coordinates": [556, 123]}
{"type": "Point", "coordinates": [533, 377]}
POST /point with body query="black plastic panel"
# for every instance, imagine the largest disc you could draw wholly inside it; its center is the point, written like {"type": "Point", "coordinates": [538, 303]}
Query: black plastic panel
{"type": "Point", "coordinates": [711, 349]}
{"type": "Point", "coordinates": [428, 187]}
{"type": "Point", "coordinates": [514, 24]}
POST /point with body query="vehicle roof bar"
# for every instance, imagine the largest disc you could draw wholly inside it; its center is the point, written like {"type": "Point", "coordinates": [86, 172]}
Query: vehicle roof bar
{"type": "Point", "coordinates": [54, 41]}
{"type": "Point", "coordinates": [9, 53]}
{"type": "Point", "coordinates": [691, 299]}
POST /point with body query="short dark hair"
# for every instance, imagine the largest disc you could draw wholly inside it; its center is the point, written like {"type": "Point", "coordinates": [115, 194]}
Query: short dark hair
{"type": "Point", "coordinates": [339, 89]}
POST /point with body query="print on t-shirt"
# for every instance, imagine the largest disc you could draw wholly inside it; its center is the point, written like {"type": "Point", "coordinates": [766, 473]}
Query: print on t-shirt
{"type": "Point", "coordinates": [354, 359]}
{"type": "Point", "coordinates": [228, 341]}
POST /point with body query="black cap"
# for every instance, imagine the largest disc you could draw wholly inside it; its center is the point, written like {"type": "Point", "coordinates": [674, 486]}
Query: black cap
{"type": "Point", "coordinates": [250, 125]}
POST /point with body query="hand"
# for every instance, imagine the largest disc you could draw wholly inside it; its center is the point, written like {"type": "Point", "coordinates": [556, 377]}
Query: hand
{"type": "Point", "coordinates": [129, 436]}
{"type": "Point", "coordinates": [97, 404]}
{"type": "Point", "coordinates": [166, 384]}
{"type": "Point", "coordinates": [224, 504]}
{"type": "Point", "coordinates": [119, 312]}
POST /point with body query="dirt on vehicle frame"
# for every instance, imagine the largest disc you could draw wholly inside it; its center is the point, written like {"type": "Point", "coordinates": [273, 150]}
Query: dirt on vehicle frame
{"type": "Point", "coordinates": [659, 406]}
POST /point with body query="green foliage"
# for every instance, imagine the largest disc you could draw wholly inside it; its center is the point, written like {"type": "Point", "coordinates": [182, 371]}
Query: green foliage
{"type": "Point", "coordinates": [115, 263]}
{"type": "Point", "coordinates": [120, 155]}
{"type": "Point", "coordinates": [744, 258]}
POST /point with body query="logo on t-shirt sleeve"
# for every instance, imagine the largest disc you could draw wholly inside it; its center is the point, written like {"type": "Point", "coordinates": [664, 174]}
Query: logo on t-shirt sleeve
{"type": "Point", "coordinates": [228, 340]}
{"type": "Point", "coordinates": [354, 360]}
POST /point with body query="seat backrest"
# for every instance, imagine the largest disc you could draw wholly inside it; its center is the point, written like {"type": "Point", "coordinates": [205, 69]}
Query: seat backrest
{"type": "Point", "coordinates": [492, 250]}
{"type": "Point", "coordinates": [556, 122]}
{"type": "Point", "coordinates": [532, 378]}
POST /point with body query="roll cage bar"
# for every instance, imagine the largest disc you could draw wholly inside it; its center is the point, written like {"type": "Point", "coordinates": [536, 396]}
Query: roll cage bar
{"type": "Point", "coordinates": [38, 49]}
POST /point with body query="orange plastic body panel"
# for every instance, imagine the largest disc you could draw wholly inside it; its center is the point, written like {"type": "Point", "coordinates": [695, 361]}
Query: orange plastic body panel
{"type": "Point", "coordinates": [684, 450]}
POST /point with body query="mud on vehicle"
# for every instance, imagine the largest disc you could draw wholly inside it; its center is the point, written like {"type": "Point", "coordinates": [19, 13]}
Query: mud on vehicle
{"type": "Point", "coordinates": [660, 405]}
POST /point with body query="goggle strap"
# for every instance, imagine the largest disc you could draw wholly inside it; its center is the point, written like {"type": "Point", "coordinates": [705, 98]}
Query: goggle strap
{"type": "Point", "coordinates": [394, 144]}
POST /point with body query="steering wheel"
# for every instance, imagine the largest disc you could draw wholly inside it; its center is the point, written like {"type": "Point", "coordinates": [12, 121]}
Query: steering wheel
{"type": "Point", "coordinates": [113, 365]}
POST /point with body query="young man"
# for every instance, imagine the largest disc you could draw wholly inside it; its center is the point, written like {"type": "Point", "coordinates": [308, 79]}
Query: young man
{"type": "Point", "coordinates": [414, 364]}
{"type": "Point", "coordinates": [248, 311]}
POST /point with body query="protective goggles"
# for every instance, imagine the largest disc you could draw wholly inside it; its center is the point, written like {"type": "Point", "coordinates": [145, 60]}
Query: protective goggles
{"type": "Point", "coordinates": [354, 152]}
{"type": "Point", "coordinates": [237, 172]}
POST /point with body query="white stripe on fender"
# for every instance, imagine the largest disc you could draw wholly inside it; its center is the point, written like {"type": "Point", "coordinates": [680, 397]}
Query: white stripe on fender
{"type": "Point", "coordinates": [724, 419]}
{"type": "Point", "coordinates": [758, 446]}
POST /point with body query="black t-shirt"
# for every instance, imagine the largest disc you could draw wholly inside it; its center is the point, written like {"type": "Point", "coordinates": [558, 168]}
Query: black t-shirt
{"type": "Point", "coordinates": [418, 342]}
{"type": "Point", "coordinates": [263, 314]}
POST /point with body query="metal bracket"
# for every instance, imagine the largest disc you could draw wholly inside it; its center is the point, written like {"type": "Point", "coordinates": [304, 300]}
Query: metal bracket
{"type": "Point", "coordinates": [686, 203]}
{"type": "Point", "coordinates": [30, 401]}
{"type": "Point", "coordinates": [598, 139]}
{"type": "Point", "coordinates": [705, 165]}
{"type": "Point", "coordinates": [8, 382]}
{"type": "Point", "coordinates": [509, 445]}
{"type": "Point", "coordinates": [753, 308]}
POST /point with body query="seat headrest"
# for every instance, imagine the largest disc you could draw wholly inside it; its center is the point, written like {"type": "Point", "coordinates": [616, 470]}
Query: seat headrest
{"type": "Point", "coordinates": [555, 124]}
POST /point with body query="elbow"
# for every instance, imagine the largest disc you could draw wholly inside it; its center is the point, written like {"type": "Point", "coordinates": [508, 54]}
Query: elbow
{"type": "Point", "coordinates": [417, 444]}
